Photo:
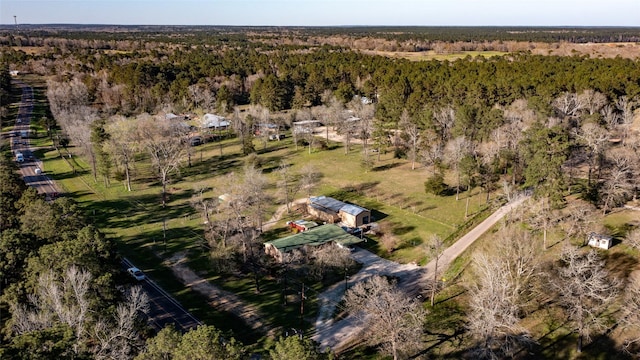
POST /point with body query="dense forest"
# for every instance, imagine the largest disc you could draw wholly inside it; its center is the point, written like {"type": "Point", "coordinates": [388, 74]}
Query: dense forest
{"type": "Point", "coordinates": [563, 127]}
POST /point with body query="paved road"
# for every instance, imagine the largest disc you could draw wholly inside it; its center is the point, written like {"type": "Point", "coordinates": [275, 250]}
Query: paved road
{"type": "Point", "coordinates": [31, 168]}
{"type": "Point", "coordinates": [411, 279]}
{"type": "Point", "coordinates": [164, 309]}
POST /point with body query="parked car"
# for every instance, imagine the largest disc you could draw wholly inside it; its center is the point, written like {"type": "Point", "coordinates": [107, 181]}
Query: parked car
{"type": "Point", "coordinates": [196, 140]}
{"type": "Point", "coordinates": [136, 273]}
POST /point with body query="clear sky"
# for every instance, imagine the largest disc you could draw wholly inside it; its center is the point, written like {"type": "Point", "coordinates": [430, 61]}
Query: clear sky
{"type": "Point", "coordinates": [325, 12]}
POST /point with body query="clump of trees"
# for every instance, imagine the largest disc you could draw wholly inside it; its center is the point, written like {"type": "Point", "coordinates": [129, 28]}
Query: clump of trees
{"type": "Point", "coordinates": [60, 281]}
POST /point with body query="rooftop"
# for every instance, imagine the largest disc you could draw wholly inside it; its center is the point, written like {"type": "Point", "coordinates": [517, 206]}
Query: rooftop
{"type": "Point", "coordinates": [353, 209]}
{"type": "Point", "coordinates": [315, 237]}
{"type": "Point", "coordinates": [327, 203]}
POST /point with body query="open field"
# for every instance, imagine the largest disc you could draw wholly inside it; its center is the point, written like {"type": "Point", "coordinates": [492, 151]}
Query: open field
{"type": "Point", "coordinates": [148, 234]}
{"type": "Point", "coordinates": [432, 55]}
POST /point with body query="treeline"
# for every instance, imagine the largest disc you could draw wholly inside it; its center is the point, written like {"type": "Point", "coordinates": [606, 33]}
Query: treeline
{"type": "Point", "coordinates": [144, 80]}
{"type": "Point", "coordinates": [457, 107]}
{"type": "Point", "coordinates": [164, 33]}
{"type": "Point", "coordinates": [5, 89]}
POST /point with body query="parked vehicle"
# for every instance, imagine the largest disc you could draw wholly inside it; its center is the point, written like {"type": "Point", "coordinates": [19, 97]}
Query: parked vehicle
{"type": "Point", "coordinates": [19, 157]}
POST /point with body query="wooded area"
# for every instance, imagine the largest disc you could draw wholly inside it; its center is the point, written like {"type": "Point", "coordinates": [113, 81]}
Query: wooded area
{"type": "Point", "coordinates": [564, 128]}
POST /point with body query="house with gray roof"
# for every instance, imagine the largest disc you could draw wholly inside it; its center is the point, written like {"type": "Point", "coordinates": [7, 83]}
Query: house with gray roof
{"type": "Point", "coordinates": [211, 121]}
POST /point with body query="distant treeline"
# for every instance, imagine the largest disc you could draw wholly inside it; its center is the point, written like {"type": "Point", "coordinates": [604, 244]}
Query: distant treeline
{"type": "Point", "coordinates": [203, 34]}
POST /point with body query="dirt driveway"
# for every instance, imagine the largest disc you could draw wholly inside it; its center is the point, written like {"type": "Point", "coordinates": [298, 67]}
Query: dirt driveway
{"type": "Point", "coordinates": [334, 333]}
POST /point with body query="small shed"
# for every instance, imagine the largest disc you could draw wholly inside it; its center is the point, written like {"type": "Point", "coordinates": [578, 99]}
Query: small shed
{"type": "Point", "coordinates": [301, 225]}
{"type": "Point", "coordinates": [332, 210]}
{"type": "Point", "coordinates": [600, 241]}
{"type": "Point", "coordinates": [317, 236]}
{"type": "Point", "coordinates": [354, 215]}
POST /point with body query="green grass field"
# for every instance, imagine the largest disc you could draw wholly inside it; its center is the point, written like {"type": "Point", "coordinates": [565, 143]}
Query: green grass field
{"type": "Point", "coordinates": [135, 219]}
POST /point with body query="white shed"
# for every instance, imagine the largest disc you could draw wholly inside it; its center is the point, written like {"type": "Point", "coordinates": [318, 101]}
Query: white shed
{"type": "Point", "coordinates": [600, 241]}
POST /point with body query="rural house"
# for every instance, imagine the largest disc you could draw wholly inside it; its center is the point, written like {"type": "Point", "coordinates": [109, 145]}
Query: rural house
{"type": "Point", "coordinates": [317, 236]}
{"type": "Point", "coordinates": [600, 241]}
{"type": "Point", "coordinates": [332, 211]}
{"type": "Point", "coordinates": [214, 122]}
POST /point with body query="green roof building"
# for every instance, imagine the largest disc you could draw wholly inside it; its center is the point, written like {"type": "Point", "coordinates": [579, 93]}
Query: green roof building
{"type": "Point", "coordinates": [314, 237]}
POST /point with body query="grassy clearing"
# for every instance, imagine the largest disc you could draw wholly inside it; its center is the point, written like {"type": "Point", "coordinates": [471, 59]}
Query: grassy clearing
{"type": "Point", "coordinates": [136, 218]}
{"type": "Point", "coordinates": [432, 55]}
{"type": "Point", "coordinates": [147, 234]}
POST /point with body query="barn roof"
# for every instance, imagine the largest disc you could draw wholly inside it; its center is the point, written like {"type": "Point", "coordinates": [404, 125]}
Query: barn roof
{"type": "Point", "coordinates": [315, 237]}
{"type": "Point", "coordinates": [353, 209]}
{"type": "Point", "coordinates": [327, 203]}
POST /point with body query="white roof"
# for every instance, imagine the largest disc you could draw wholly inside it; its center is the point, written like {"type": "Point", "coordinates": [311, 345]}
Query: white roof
{"type": "Point", "coordinates": [213, 121]}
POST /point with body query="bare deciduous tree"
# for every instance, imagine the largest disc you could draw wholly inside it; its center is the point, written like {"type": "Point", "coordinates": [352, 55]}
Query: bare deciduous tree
{"type": "Point", "coordinates": [202, 203]}
{"type": "Point", "coordinates": [330, 256]}
{"type": "Point", "coordinates": [578, 220]}
{"type": "Point", "coordinates": [118, 338]}
{"type": "Point", "coordinates": [455, 150]}
{"type": "Point", "coordinates": [592, 101]}
{"type": "Point", "coordinates": [390, 318]}
{"type": "Point", "coordinates": [498, 295]}
{"type": "Point", "coordinates": [618, 186]}
{"type": "Point", "coordinates": [630, 315]}
{"type": "Point", "coordinates": [122, 144]}
{"type": "Point", "coordinates": [66, 299]}
{"type": "Point", "coordinates": [567, 104]}
{"type": "Point", "coordinates": [288, 184]}
{"type": "Point", "coordinates": [435, 248]}
{"type": "Point", "coordinates": [541, 218]}
{"type": "Point", "coordinates": [633, 238]}
{"type": "Point", "coordinates": [166, 143]}
{"type": "Point", "coordinates": [596, 139]}
{"type": "Point", "coordinates": [63, 300]}
{"type": "Point", "coordinates": [444, 119]}
{"type": "Point", "coordinates": [411, 131]}
{"type": "Point", "coordinates": [626, 106]}
{"type": "Point", "coordinates": [585, 289]}
{"type": "Point", "coordinates": [309, 178]}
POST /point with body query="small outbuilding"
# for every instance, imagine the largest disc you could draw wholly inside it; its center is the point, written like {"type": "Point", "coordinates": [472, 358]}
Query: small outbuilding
{"type": "Point", "coordinates": [331, 210]}
{"type": "Point", "coordinates": [301, 225]}
{"type": "Point", "coordinates": [600, 241]}
{"type": "Point", "coordinates": [214, 122]}
{"type": "Point", "coordinates": [317, 236]}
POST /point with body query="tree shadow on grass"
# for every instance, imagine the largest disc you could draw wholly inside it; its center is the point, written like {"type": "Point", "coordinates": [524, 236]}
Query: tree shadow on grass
{"type": "Point", "coordinates": [141, 210]}
{"type": "Point", "coordinates": [386, 166]}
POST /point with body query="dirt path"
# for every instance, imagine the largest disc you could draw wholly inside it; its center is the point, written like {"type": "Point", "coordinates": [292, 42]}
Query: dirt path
{"type": "Point", "coordinates": [455, 250]}
{"type": "Point", "coordinates": [222, 299]}
{"type": "Point", "coordinates": [218, 298]}
{"type": "Point", "coordinates": [280, 211]}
